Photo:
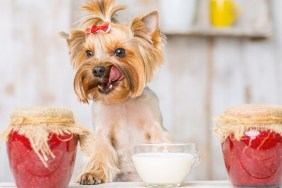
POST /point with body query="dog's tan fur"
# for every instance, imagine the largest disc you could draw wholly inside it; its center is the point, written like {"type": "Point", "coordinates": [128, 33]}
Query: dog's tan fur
{"type": "Point", "coordinates": [129, 113]}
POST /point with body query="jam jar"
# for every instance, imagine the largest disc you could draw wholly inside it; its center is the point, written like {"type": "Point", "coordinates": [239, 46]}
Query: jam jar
{"type": "Point", "coordinates": [251, 140]}
{"type": "Point", "coordinates": [41, 146]}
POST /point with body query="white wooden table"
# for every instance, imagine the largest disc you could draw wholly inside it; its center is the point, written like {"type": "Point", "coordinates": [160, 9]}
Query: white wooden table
{"type": "Point", "coordinates": [192, 184]}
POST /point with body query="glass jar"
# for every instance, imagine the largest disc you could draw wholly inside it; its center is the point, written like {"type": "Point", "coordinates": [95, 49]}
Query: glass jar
{"type": "Point", "coordinates": [252, 144]}
{"type": "Point", "coordinates": [41, 146]}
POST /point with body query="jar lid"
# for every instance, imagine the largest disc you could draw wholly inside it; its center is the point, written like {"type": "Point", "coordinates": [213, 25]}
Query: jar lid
{"type": "Point", "coordinates": [239, 119]}
{"type": "Point", "coordinates": [41, 116]}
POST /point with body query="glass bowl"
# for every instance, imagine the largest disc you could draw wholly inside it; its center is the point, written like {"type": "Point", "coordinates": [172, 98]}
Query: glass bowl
{"type": "Point", "coordinates": [164, 165]}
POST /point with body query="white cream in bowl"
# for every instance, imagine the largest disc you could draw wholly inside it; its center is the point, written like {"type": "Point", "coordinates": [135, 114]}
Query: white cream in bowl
{"type": "Point", "coordinates": [164, 165]}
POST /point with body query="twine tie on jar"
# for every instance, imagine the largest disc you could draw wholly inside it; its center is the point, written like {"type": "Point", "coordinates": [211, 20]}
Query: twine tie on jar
{"type": "Point", "coordinates": [40, 121]}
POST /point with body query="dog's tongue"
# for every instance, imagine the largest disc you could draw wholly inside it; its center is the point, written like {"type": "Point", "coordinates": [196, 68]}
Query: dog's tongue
{"type": "Point", "coordinates": [115, 74]}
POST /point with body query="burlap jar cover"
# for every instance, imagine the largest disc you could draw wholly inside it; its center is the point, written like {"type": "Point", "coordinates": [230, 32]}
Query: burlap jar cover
{"type": "Point", "coordinates": [239, 119]}
{"type": "Point", "coordinates": [37, 123]}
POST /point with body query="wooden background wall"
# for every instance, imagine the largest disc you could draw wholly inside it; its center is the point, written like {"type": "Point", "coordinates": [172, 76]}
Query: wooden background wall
{"type": "Point", "coordinates": [202, 75]}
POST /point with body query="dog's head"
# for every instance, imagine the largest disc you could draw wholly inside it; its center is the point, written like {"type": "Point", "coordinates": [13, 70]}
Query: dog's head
{"type": "Point", "coordinates": [113, 61]}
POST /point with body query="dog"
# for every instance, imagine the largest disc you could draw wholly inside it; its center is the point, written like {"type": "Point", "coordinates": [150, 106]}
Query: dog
{"type": "Point", "coordinates": [114, 62]}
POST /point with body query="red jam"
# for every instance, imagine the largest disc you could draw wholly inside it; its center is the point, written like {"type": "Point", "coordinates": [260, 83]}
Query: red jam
{"type": "Point", "coordinates": [255, 160]}
{"type": "Point", "coordinates": [28, 169]}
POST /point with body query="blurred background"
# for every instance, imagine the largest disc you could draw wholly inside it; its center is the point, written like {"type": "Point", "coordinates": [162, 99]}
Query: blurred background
{"type": "Point", "coordinates": [215, 58]}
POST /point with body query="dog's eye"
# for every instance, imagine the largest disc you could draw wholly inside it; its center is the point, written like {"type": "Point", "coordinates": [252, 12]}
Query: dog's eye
{"type": "Point", "coordinates": [89, 53]}
{"type": "Point", "coordinates": [119, 52]}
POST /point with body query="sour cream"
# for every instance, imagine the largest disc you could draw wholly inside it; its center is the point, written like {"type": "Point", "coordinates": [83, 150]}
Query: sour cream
{"type": "Point", "coordinates": [163, 168]}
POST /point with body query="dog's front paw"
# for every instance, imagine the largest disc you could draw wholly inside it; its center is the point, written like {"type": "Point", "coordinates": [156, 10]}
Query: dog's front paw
{"type": "Point", "coordinates": [90, 178]}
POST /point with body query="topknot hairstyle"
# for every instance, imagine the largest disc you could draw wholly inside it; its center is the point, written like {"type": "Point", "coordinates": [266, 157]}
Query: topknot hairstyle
{"type": "Point", "coordinates": [100, 11]}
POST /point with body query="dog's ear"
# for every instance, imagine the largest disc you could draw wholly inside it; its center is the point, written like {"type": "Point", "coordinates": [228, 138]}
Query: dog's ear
{"type": "Point", "coordinates": [64, 35]}
{"type": "Point", "coordinates": [151, 22]}
{"type": "Point", "coordinates": [147, 27]}
{"type": "Point", "coordinates": [76, 43]}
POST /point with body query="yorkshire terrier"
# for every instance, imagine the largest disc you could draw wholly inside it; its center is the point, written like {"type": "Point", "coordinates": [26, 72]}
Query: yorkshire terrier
{"type": "Point", "coordinates": [114, 62]}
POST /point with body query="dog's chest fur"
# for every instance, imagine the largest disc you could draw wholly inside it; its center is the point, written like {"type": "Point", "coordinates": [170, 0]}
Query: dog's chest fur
{"type": "Point", "coordinates": [132, 122]}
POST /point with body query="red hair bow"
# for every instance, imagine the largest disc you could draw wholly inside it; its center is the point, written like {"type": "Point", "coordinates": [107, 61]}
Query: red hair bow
{"type": "Point", "coordinates": [98, 28]}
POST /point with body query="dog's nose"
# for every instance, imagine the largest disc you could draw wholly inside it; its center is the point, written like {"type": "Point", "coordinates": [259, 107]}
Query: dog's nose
{"type": "Point", "coordinates": [99, 71]}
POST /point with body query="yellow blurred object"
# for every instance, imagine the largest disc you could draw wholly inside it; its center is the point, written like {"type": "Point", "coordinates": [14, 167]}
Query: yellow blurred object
{"type": "Point", "coordinates": [223, 13]}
